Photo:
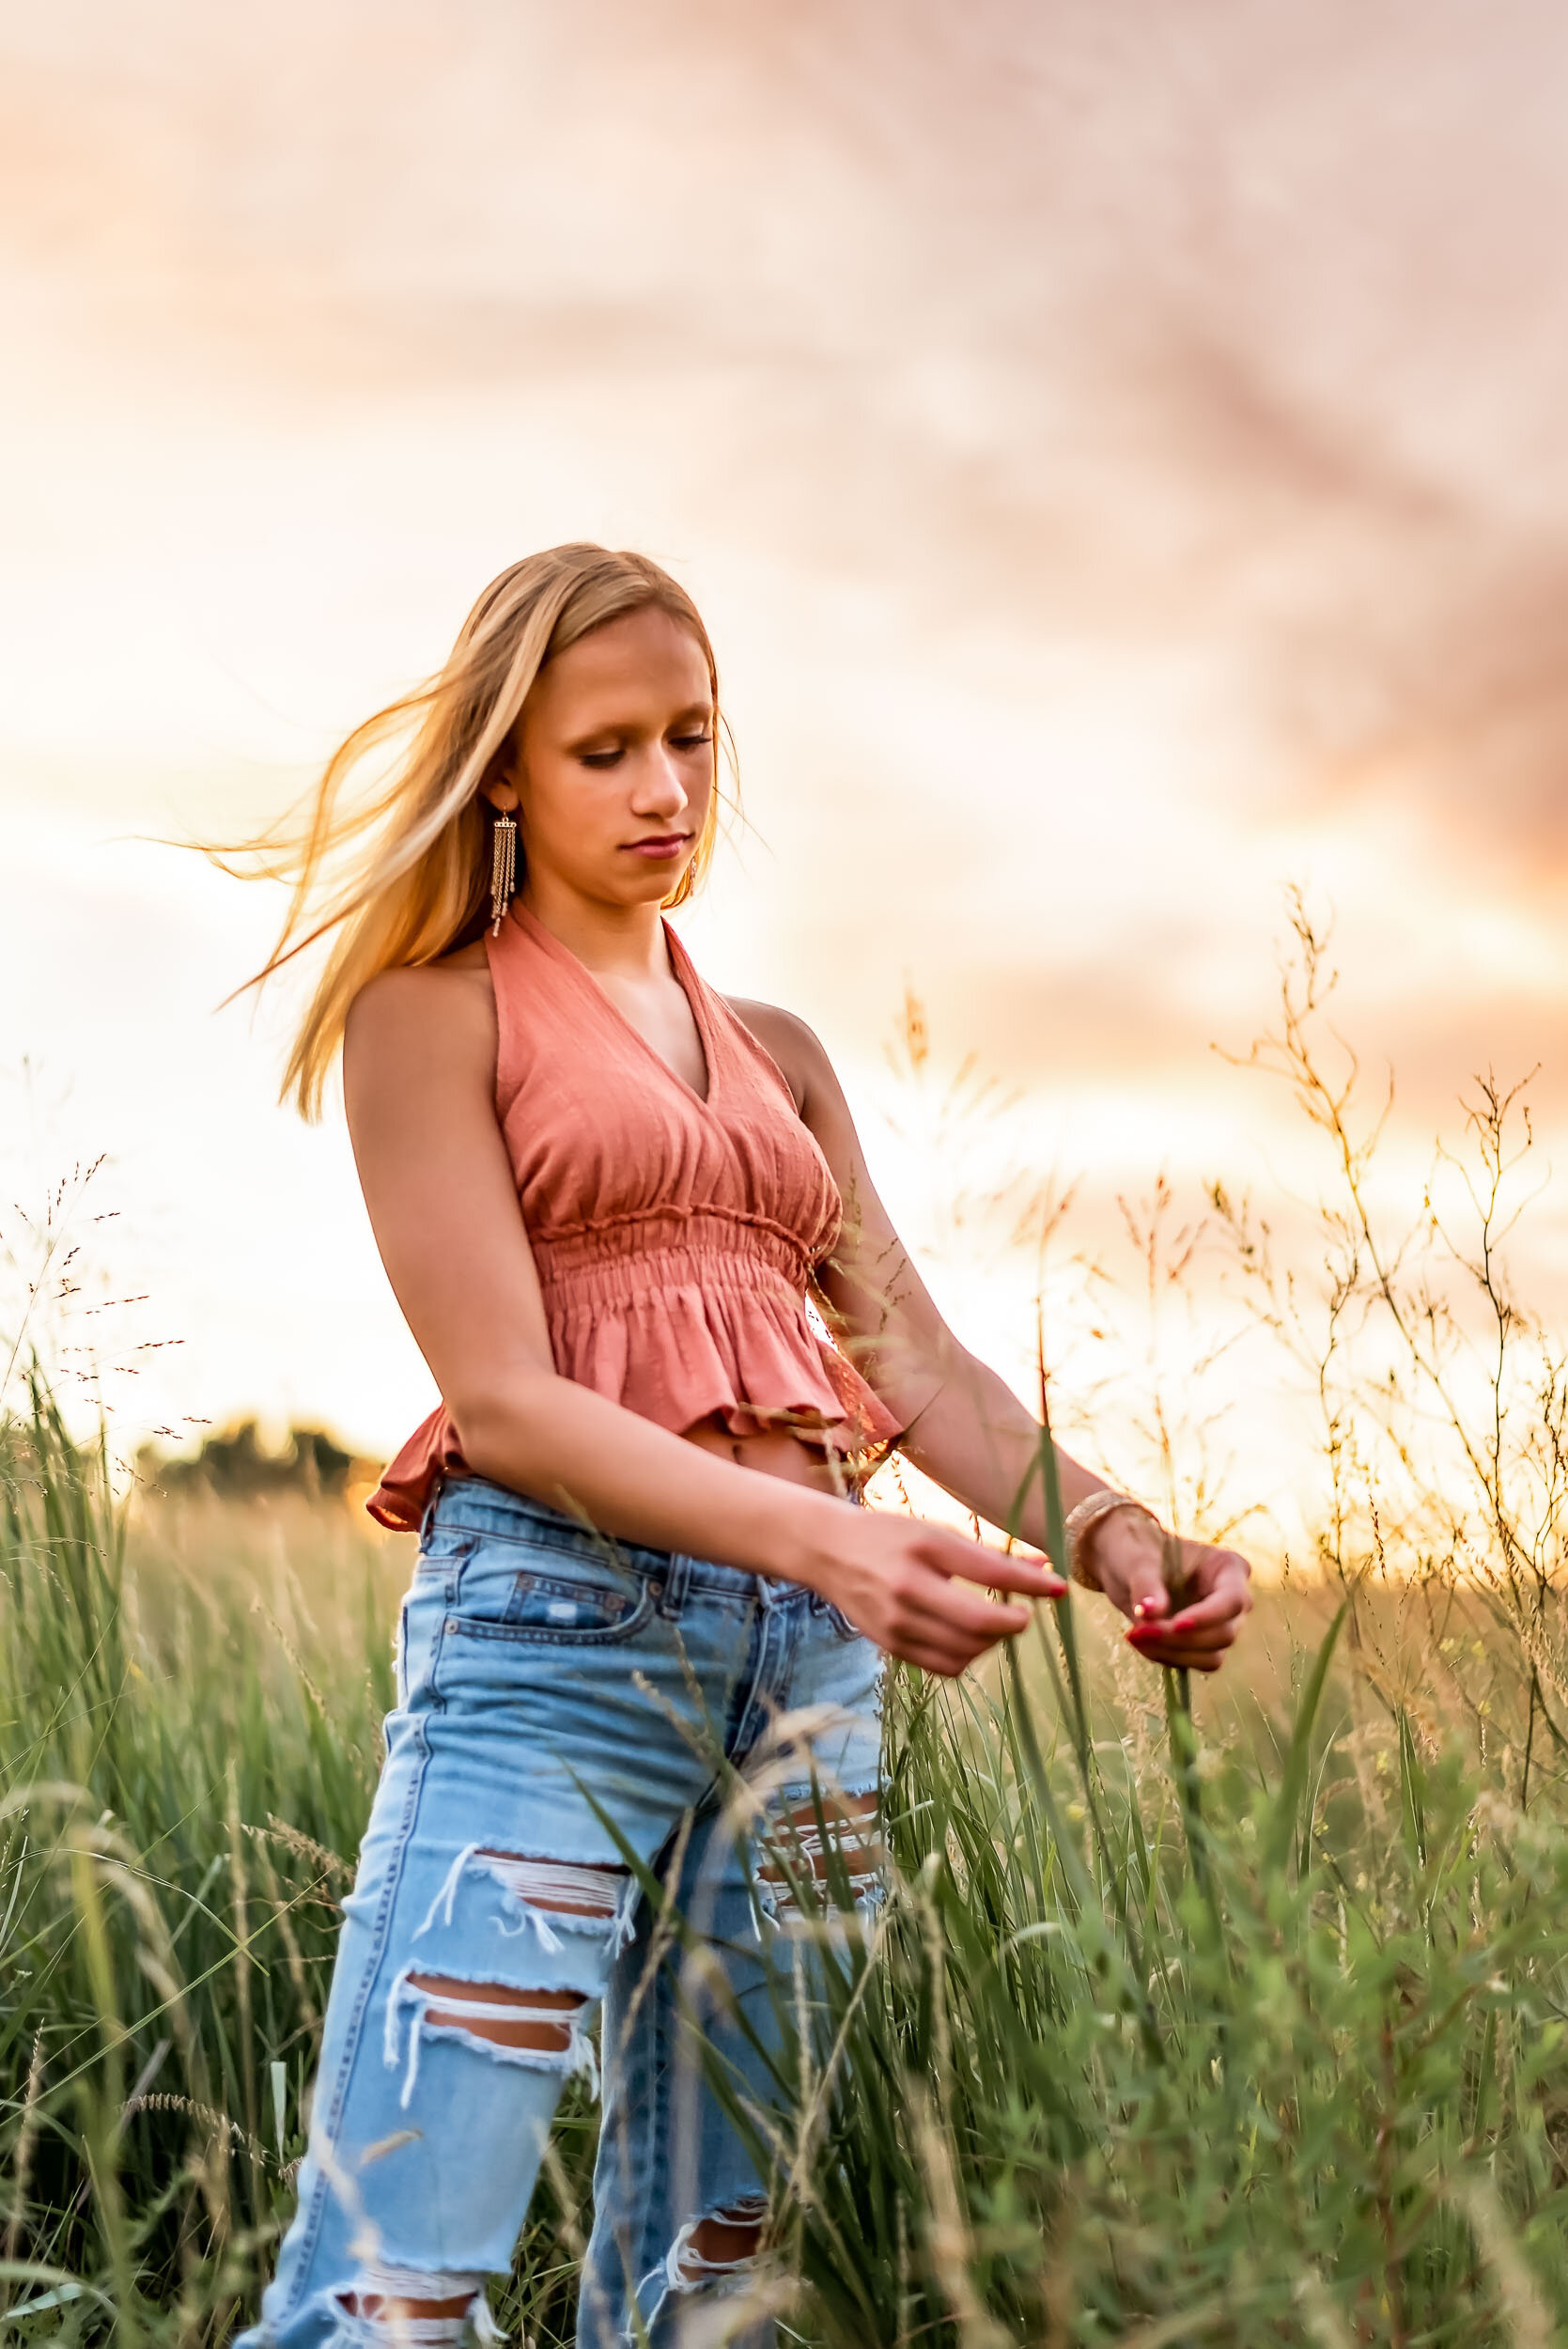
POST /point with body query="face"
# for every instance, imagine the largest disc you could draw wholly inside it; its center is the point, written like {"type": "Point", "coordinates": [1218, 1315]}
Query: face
{"type": "Point", "coordinates": [613, 769]}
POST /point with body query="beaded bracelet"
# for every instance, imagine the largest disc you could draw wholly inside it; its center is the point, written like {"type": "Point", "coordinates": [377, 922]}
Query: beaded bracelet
{"type": "Point", "coordinates": [1081, 1522]}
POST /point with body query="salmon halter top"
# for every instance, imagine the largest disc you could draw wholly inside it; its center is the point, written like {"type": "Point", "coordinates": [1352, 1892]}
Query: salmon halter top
{"type": "Point", "coordinates": [674, 1237]}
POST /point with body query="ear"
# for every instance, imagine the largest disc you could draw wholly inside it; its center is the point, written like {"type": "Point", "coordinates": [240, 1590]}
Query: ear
{"type": "Point", "coordinates": [501, 792]}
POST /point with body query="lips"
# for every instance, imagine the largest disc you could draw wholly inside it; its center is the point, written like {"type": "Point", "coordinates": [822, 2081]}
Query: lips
{"type": "Point", "coordinates": [663, 845]}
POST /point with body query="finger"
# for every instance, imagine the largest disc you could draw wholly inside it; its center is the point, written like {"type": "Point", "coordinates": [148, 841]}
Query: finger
{"type": "Point", "coordinates": [940, 1656]}
{"type": "Point", "coordinates": [1164, 1650]}
{"type": "Point", "coordinates": [1179, 1627]}
{"type": "Point", "coordinates": [1035, 1580]}
{"type": "Point", "coordinates": [1204, 1635]}
{"type": "Point", "coordinates": [1003, 1570]}
{"type": "Point", "coordinates": [1145, 1593]}
{"type": "Point", "coordinates": [944, 1608]}
{"type": "Point", "coordinates": [1179, 1652]}
{"type": "Point", "coordinates": [947, 1615]}
{"type": "Point", "coordinates": [1221, 1606]}
{"type": "Point", "coordinates": [1181, 1658]}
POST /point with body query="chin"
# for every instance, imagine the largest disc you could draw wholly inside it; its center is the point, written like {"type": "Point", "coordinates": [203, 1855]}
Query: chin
{"type": "Point", "coordinates": [648, 887]}
{"type": "Point", "coordinates": [660, 883]}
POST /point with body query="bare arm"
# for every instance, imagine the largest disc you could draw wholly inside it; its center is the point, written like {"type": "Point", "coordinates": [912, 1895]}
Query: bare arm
{"type": "Point", "coordinates": [964, 1426]}
{"type": "Point", "coordinates": [419, 1074]}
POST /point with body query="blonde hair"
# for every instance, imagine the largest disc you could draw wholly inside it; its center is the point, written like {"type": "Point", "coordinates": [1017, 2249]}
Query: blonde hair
{"type": "Point", "coordinates": [401, 874]}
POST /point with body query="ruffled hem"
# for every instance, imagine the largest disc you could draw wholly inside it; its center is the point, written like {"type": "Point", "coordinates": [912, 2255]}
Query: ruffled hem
{"type": "Point", "coordinates": [398, 1501]}
{"type": "Point", "coordinates": [684, 1356]}
{"type": "Point", "coordinates": [692, 1350]}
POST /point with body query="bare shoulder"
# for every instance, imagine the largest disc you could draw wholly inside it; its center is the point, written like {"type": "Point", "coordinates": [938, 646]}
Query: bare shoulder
{"type": "Point", "coordinates": [797, 1047]}
{"type": "Point", "coordinates": [413, 1021]}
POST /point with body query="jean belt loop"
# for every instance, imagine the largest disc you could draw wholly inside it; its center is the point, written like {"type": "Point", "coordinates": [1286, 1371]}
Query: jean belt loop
{"type": "Point", "coordinates": [677, 1582]}
{"type": "Point", "coordinates": [427, 1515]}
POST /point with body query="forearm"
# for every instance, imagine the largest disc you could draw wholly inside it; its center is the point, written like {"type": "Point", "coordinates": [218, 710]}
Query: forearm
{"type": "Point", "coordinates": [976, 1439]}
{"type": "Point", "coordinates": [574, 1450]}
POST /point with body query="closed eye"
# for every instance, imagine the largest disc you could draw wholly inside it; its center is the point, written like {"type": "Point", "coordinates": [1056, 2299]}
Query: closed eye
{"type": "Point", "coordinates": [611, 757]}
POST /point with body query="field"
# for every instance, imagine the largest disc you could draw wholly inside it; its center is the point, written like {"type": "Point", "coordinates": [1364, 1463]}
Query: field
{"type": "Point", "coordinates": [1240, 2024]}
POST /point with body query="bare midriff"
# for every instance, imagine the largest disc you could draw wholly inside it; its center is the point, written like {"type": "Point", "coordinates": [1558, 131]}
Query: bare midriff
{"type": "Point", "coordinates": [776, 1452]}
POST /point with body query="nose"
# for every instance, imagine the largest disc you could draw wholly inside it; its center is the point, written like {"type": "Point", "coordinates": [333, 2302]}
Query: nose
{"type": "Point", "coordinates": [659, 789]}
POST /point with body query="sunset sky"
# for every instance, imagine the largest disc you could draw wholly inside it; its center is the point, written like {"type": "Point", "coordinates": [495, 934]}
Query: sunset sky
{"type": "Point", "coordinates": [1119, 452]}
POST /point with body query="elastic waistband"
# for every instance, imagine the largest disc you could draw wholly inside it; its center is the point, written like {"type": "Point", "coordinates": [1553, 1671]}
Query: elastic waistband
{"type": "Point", "coordinates": [472, 1504]}
{"type": "Point", "coordinates": [654, 1247]}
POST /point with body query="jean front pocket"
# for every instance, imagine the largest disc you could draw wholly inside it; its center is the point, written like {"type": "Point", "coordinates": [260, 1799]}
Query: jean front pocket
{"type": "Point", "coordinates": [523, 1594]}
{"type": "Point", "coordinates": [574, 1607]}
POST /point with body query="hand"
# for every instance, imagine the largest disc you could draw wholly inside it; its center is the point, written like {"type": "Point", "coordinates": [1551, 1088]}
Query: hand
{"type": "Point", "coordinates": [895, 1580]}
{"type": "Point", "coordinates": [1194, 1627]}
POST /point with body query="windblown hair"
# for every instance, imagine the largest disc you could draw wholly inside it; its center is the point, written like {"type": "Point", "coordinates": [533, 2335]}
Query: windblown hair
{"type": "Point", "coordinates": [400, 869]}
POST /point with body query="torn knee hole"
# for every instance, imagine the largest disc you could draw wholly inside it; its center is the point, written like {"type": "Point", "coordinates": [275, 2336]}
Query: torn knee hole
{"type": "Point", "coordinates": [396, 2308]}
{"type": "Point", "coordinates": [719, 2244]}
{"type": "Point", "coordinates": [403, 2305]}
{"type": "Point", "coordinates": [798, 1845]}
{"type": "Point", "coordinates": [546, 2029]}
{"type": "Point", "coordinates": [477, 2007]}
{"type": "Point", "coordinates": [544, 1897]}
{"type": "Point", "coordinates": [564, 1887]}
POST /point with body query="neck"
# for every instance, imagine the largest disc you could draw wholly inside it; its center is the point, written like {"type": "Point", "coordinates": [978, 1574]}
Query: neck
{"type": "Point", "coordinates": [603, 937]}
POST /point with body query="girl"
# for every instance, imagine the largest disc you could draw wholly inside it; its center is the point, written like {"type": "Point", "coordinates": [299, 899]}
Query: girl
{"type": "Point", "coordinates": [647, 1621]}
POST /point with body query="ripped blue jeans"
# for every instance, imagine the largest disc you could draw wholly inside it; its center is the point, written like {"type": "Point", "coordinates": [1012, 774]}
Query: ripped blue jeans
{"type": "Point", "coordinates": [564, 1704]}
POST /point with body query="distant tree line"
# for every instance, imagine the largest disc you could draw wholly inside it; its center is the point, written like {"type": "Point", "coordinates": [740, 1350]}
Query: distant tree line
{"type": "Point", "coordinates": [236, 1464]}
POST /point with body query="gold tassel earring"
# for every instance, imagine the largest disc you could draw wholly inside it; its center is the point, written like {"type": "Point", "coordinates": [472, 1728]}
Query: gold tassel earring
{"type": "Point", "coordinates": [503, 856]}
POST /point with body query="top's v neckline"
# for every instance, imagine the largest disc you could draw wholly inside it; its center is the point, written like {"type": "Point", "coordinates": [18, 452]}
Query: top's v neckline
{"type": "Point", "coordinates": [684, 977]}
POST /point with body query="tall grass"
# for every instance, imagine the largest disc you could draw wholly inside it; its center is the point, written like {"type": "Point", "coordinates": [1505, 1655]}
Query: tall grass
{"type": "Point", "coordinates": [1242, 2024]}
{"type": "Point", "coordinates": [1286, 2067]}
{"type": "Point", "coordinates": [188, 1748]}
